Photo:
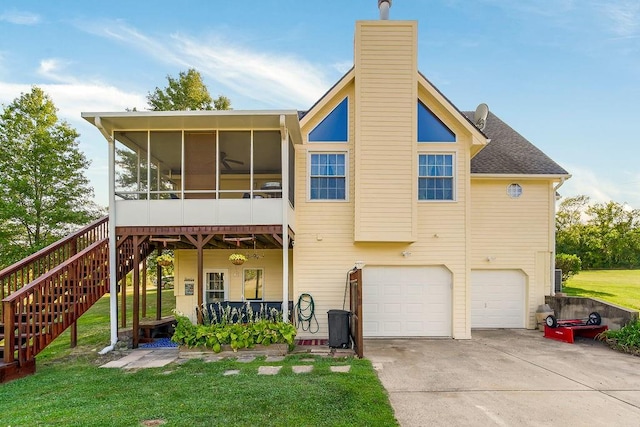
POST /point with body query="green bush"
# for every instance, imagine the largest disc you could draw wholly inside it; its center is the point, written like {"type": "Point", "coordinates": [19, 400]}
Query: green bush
{"type": "Point", "coordinates": [569, 264]}
{"type": "Point", "coordinates": [627, 338]}
{"type": "Point", "coordinates": [237, 335]}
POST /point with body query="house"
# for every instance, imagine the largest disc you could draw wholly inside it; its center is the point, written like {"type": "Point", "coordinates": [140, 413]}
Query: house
{"type": "Point", "coordinates": [451, 223]}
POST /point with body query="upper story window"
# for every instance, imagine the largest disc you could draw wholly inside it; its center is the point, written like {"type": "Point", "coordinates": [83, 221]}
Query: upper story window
{"type": "Point", "coordinates": [430, 128]}
{"type": "Point", "coordinates": [327, 177]}
{"type": "Point", "coordinates": [334, 127]}
{"type": "Point", "coordinates": [435, 177]}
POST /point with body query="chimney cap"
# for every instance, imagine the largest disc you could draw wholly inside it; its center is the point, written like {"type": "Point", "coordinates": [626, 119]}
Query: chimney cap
{"type": "Point", "coordinates": [384, 9]}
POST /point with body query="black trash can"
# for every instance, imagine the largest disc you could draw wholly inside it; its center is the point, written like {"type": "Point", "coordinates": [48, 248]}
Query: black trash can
{"type": "Point", "coordinates": [339, 328]}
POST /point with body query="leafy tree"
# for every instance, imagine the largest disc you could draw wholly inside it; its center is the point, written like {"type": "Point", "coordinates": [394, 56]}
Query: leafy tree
{"type": "Point", "coordinates": [185, 93]}
{"type": "Point", "coordinates": [44, 191]}
{"type": "Point", "coordinates": [602, 235]}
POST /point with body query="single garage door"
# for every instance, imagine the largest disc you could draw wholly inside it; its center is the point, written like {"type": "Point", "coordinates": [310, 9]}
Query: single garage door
{"type": "Point", "coordinates": [406, 301]}
{"type": "Point", "coordinates": [498, 299]}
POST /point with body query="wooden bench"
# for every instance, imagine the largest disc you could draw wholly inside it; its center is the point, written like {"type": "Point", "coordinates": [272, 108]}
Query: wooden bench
{"type": "Point", "coordinates": [157, 328]}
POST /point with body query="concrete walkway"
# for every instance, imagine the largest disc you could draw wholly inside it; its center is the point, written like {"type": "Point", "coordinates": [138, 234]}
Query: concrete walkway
{"type": "Point", "coordinates": [507, 378]}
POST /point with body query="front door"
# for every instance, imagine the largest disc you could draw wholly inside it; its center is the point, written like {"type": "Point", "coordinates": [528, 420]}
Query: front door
{"type": "Point", "coordinates": [216, 286]}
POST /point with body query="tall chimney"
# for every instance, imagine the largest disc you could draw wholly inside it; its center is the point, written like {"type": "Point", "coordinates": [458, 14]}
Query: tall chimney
{"type": "Point", "coordinates": [384, 6]}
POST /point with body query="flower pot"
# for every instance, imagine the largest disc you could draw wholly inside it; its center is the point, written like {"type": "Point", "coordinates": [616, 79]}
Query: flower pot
{"type": "Point", "coordinates": [164, 263]}
{"type": "Point", "coordinates": [237, 261]}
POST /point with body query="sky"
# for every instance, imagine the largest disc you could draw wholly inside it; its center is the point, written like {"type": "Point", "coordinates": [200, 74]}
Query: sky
{"type": "Point", "coordinates": [563, 73]}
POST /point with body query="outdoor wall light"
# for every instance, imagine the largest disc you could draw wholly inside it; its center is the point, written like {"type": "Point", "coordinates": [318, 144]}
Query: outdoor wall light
{"type": "Point", "coordinates": [359, 265]}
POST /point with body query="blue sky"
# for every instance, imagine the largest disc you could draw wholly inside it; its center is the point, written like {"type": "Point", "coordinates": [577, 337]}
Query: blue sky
{"type": "Point", "coordinates": [563, 73]}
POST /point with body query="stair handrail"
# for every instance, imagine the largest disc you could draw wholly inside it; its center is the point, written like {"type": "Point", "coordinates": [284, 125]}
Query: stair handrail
{"type": "Point", "coordinates": [19, 274]}
{"type": "Point", "coordinates": [26, 296]}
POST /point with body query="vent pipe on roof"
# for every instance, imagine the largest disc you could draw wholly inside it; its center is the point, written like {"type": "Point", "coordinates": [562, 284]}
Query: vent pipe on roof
{"type": "Point", "coordinates": [384, 6]}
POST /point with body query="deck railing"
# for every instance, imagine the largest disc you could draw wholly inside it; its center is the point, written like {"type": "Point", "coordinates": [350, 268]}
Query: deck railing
{"type": "Point", "coordinates": [23, 272]}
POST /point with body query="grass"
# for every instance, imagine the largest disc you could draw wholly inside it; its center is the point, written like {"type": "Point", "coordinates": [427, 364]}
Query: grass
{"type": "Point", "coordinates": [621, 287]}
{"type": "Point", "coordinates": [70, 389]}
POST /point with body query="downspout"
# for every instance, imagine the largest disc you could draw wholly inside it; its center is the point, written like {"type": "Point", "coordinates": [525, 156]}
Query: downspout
{"type": "Point", "coordinates": [113, 283]}
{"type": "Point", "coordinates": [284, 135]}
{"type": "Point", "coordinates": [553, 224]}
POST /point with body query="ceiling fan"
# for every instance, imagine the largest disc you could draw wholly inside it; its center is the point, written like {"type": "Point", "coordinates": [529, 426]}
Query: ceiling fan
{"type": "Point", "coordinates": [225, 161]}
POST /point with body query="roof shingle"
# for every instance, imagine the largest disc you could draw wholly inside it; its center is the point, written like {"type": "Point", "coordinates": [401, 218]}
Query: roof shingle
{"type": "Point", "coordinates": [510, 153]}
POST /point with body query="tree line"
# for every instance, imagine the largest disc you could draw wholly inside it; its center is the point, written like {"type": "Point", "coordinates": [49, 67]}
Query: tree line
{"type": "Point", "coordinates": [601, 235]}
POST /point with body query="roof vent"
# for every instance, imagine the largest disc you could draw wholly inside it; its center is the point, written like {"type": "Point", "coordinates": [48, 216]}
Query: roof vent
{"type": "Point", "coordinates": [384, 6]}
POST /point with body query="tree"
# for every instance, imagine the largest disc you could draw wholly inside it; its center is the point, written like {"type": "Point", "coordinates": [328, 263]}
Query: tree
{"type": "Point", "coordinates": [44, 191]}
{"type": "Point", "coordinates": [186, 93]}
{"type": "Point", "coordinates": [602, 235]}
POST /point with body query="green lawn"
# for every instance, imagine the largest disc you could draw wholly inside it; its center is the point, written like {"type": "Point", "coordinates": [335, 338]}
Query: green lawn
{"type": "Point", "coordinates": [70, 389]}
{"type": "Point", "coordinates": [621, 287]}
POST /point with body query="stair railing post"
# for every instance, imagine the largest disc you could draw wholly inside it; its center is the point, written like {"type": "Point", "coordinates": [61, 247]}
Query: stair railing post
{"type": "Point", "coordinates": [9, 331]}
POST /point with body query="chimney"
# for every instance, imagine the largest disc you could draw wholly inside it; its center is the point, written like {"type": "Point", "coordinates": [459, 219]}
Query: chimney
{"type": "Point", "coordinates": [384, 6]}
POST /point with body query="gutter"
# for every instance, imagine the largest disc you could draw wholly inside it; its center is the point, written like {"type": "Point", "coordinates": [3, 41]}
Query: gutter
{"type": "Point", "coordinates": [113, 282]}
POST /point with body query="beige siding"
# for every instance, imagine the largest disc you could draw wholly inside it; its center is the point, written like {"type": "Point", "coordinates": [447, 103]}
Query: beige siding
{"type": "Point", "coordinates": [385, 69]}
{"type": "Point", "coordinates": [186, 267]}
{"type": "Point", "coordinates": [509, 233]}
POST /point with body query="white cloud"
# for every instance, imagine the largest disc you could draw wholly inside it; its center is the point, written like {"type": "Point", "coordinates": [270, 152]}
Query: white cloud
{"type": "Point", "coordinates": [624, 17]}
{"type": "Point", "coordinates": [601, 188]}
{"type": "Point", "coordinates": [50, 68]}
{"type": "Point", "coordinates": [20, 17]}
{"type": "Point", "coordinates": [272, 78]}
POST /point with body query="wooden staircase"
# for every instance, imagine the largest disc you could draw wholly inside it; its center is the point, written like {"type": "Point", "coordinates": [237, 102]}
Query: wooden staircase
{"type": "Point", "coordinates": [47, 292]}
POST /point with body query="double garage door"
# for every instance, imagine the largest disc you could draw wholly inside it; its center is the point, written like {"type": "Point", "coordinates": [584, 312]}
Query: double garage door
{"type": "Point", "coordinates": [406, 301]}
{"type": "Point", "coordinates": [416, 301]}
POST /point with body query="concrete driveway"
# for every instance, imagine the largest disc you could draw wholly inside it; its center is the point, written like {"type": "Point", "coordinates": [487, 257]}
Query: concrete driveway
{"type": "Point", "coordinates": [507, 378]}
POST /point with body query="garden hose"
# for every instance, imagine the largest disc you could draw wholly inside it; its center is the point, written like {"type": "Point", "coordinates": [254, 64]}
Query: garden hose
{"type": "Point", "coordinates": [305, 311]}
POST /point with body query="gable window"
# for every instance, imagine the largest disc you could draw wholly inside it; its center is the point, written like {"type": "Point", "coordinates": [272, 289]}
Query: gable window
{"type": "Point", "coordinates": [327, 177]}
{"type": "Point", "coordinates": [431, 128]}
{"type": "Point", "coordinates": [334, 127]}
{"type": "Point", "coordinates": [514, 190]}
{"type": "Point", "coordinates": [253, 284]}
{"type": "Point", "coordinates": [435, 177]}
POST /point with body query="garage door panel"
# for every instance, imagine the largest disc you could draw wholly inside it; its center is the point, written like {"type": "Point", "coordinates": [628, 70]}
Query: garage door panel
{"type": "Point", "coordinates": [498, 298]}
{"type": "Point", "coordinates": [416, 301]}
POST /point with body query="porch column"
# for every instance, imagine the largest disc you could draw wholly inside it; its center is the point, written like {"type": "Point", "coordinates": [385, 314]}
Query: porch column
{"type": "Point", "coordinates": [284, 134]}
{"type": "Point", "coordinates": [159, 287]}
{"type": "Point", "coordinates": [199, 242]}
{"type": "Point", "coordinates": [136, 290]}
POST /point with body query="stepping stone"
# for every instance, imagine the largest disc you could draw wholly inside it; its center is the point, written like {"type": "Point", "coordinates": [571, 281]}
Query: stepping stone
{"type": "Point", "coordinates": [269, 370]}
{"type": "Point", "coordinates": [246, 359]}
{"type": "Point", "coordinates": [302, 369]}
{"type": "Point", "coordinates": [231, 372]}
{"type": "Point", "coordinates": [308, 360]}
{"type": "Point", "coordinates": [342, 369]}
{"type": "Point", "coordinates": [274, 359]}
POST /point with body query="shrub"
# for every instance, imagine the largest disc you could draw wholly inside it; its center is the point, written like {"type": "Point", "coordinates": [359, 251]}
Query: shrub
{"type": "Point", "coordinates": [569, 264]}
{"type": "Point", "coordinates": [237, 335]}
{"type": "Point", "coordinates": [626, 339]}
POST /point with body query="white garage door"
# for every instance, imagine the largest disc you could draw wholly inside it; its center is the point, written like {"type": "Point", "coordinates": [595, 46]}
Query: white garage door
{"type": "Point", "coordinates": [497, 298]}
{"type": "Point", "coordinates": [406, 302]}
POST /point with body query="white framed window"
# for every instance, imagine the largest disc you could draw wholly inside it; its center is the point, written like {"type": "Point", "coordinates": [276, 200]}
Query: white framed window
{"type": "Point", "coordinates": [514, 190]}
{"type": "Point", "coordinates": [216, 286]}
{"type": "Point", "coordinates": [328, 176]}
{"type": "Point", "coordinates": [436, 176]}
{"type": "Point", "coordinates": [253, 284]}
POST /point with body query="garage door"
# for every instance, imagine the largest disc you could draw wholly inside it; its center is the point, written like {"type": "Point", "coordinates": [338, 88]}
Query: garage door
{"type": "Point", "coordinates": [406, 301]}
{"type": "Point", "coordinates": [497, 299]}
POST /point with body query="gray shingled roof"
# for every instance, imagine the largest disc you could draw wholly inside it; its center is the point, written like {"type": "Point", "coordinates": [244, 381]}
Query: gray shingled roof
{"type": "Point", "coordinates": [510, 153]}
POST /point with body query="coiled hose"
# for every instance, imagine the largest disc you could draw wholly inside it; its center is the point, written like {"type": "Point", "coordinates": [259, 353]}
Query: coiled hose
{"type": "Point", "coordinates": [306, 314]}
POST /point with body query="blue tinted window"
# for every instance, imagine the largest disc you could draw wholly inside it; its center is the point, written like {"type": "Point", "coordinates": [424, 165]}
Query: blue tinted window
{"type": "Point", "coordinates": [334, 127]}
{"type": "Point", "coordinates": [435, 177]}
{"type": "Point", "coordinates": [430, 128]}
{"type": "Point", "coordinates": [328, 177]}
